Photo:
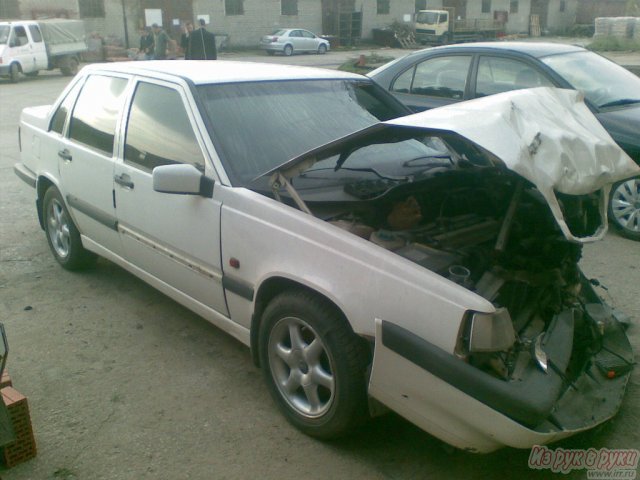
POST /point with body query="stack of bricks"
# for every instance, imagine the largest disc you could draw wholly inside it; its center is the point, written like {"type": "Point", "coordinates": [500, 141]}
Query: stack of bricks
{"type": "Point", "coordinates": [24, 446]}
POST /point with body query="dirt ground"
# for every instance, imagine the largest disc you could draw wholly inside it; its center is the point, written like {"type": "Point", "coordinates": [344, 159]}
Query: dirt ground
{"type": "Point", "coordinates": [123, 383]}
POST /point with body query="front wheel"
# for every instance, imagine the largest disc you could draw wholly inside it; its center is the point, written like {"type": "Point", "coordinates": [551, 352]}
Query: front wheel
{"type": "Point", "coordinates": [314, 365]}
{"type": "Point", "coordinates": [62, 235]}
{"type": "Point", "coordinates": [624, 207]}
{"type": "Point", "coordinates": [288, 50]}
{"type": "Point", "coordinates": [322, 49]}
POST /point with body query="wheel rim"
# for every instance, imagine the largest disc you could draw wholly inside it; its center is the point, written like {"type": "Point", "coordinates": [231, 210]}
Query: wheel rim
{"type": "Point", "coordinates": [58, 228]}
{"type": "Point", "coordinates": [625, 205]}
{"type": "Point", "coordinates": [301, 367]}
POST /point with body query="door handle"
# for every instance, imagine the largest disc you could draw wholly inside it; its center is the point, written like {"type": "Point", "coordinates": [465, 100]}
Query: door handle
{"type": "Point", "coordinates": [124, 180]}
{"type": "Point", "coordinates": [65, 155]}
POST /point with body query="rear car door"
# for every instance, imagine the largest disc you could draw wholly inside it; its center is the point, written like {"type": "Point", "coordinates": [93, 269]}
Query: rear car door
{"type": "Point", "coordinates": [86, 158]}
{"type": "Point", "coordinates": [434, 82]}
{"type": "Point", "coordinates": [175, 238]}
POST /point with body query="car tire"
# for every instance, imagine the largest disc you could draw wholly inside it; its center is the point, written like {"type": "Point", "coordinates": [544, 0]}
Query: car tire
{"type": "Point", "coordinates": [304, 340]}
{"type": "Point", "coordinates": [33, 74]}
{"type": "Point", "coordinates": [322, 49]}
{"type": "Point", "coordinates": [70, 68]}
{"type": "Point", "coordinates": [14, 73]}
{"type": "Point", "coordinates": [62, 234]}
{"type": "Point", "coordinates": [624, 208]}
{"type": "Point", "coordinates": [287, 50]}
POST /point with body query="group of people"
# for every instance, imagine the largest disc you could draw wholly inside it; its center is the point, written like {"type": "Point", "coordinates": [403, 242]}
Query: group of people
{"type": "Point", "coordinates": [197, 44]}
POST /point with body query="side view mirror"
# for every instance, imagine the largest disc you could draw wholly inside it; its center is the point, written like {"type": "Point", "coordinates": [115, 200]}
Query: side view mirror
{"type": "Point", "coordinates": [182, 179]}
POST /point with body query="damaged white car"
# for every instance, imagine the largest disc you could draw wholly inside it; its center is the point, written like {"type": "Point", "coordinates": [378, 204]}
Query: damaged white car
{"type": "Point", "coordinates": [428, 264]}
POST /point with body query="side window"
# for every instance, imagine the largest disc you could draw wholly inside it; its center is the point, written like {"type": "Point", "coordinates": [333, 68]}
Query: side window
{"type": "Point", "coordinates": [443, 77]}
{"type": "Point", "coordinates": [60, 117]}
{"type": "Point", "coordinates": [35, 33]}
{"type": "Point", "coordinates": [159, 131]}
{"type": "Point", "coordinates": [497, 75]}
{"type": "Point", "coordinates": [20, 37]}
{"type": "Point", "coordinates": [94, 118]}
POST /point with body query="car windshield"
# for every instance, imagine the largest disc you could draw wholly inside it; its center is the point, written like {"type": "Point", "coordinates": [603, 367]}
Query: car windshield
{"type": "Point", "coordinates": [604, 83]}
{"type": "Point", "coordinates": [4, 34]}
{"type": "Point", "coordinates": [257, 126]}
{"type": "Point", "coordinates": [427, 17]}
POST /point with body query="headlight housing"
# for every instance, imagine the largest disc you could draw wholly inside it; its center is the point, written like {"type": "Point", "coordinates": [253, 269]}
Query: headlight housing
{"type": "Point", "coordinates": [486, 332]}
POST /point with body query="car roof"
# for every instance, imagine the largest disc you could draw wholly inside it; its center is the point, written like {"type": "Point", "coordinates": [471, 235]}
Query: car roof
{"type": "Point", "coordinates": [220, 71]}
{"type": "Point", "coordinates": [534, 49]}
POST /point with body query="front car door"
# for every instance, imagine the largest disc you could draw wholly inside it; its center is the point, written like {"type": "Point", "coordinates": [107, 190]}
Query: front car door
{"type": "Point", "coordinates": [174, 238]}
{"type": "Point", "coordinates": [434, 82]}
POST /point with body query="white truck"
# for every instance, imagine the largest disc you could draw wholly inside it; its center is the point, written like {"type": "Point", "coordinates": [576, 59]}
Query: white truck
{"type": "Point", "coordinates": [28, 46]}
{"type": "Point", "coordinates": [442, 27]}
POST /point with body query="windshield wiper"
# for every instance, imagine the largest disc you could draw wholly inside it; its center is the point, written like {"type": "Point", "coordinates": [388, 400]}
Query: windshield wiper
{"type": "Point", "coordinates": [363, 169]}
{"type": "Point", "coordinates": [622, 101]}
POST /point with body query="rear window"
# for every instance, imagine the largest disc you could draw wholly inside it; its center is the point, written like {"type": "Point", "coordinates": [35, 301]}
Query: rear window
{"type": "Point", "coordinates": [259, 126]}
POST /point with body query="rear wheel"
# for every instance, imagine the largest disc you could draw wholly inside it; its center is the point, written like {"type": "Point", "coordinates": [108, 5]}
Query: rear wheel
{"type": "Point", "coordinates": [288, 50]}
{"type": "Point", "coordinates": [62, 235]}
{"type": "Point", "coordinates": [314, 365]}
{"type": "Point", "coordinates": [14, 73]}
{"type": "Point", "coordinates": [70, 67]}
{"type": "Point", "coordinates": [322, 49]}
{"type": "Point", "coordinates": [624, 207]}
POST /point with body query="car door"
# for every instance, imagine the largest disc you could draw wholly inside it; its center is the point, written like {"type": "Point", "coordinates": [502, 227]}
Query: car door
{"type": "Point", "coordinates": [85, 158]}
{"type": "Point", "coordinates": [175, 238]}
{"type": "Point", "coordinates": [496, 74]}
{"type": "Point", "coordinates": [20, 48]}
{"type": "Point", "coordinates": [38, 49]}
{"type": "Point", "coordinates": [434, 82]}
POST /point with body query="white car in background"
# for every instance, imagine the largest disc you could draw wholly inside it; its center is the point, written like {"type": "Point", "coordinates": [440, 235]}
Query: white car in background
{"type": "Point", "coordinates": [292, 40]}
{"type": "Point", "coordinates": [428, 264]}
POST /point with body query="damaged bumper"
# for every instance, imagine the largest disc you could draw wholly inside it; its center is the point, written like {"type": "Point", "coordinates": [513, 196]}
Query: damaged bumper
{"type": "Point", "coordinates": [582, 387]}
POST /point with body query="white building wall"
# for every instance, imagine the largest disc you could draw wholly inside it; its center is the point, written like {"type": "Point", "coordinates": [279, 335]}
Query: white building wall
{"type": "Point", "coordinates": [260, 18]}
{"type": "Point", "coordinates": [559, 22]}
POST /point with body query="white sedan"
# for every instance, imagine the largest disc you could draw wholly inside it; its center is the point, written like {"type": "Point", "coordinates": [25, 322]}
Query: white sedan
{"type": "Point", "coordinates": [291, 40]}
{"type": "Point", "coordinates": [427, 265]}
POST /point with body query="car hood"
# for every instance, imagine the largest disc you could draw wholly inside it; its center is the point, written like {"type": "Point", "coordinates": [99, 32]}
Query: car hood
{"type": "Point", "coordinates": [548, 136]}
{"type": "Point", "coordinates": [623, 123]}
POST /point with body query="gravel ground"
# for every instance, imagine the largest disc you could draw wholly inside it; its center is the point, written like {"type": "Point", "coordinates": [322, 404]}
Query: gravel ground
{"type": "Point", "coordinates": [124, 383]}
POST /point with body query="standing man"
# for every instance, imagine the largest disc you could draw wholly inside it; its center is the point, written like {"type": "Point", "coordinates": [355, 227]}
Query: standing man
{"type": "Point", "coordinates": [146, 44]}
{"type": "Point", "coordinates": [185, 39]}
{"type": "Point", "coordinates": [160, 41]}
{"type": "Point", "coordinates": [202, 44]}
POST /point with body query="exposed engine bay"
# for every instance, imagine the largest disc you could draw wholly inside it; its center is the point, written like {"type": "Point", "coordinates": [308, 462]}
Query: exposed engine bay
{"type": "Point", "coordinates": [491, 232]}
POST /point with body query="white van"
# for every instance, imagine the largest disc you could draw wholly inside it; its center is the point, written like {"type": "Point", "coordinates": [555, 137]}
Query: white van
{"type": "Point", "coordinates": [28, 46]}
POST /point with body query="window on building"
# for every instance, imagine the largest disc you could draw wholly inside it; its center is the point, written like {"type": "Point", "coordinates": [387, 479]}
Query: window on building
{"type": "Point", "coordinates": [383, 7]}
{"type": "Point", "coordinates": [94, 118]}
{"type": "Point", "coordinates": [513, 6]}
{"type": "Point", "coordinates": [486, 6]}
{"type": "Point", "coordinates": [234, 7]}
{"type": "Point", "coordinates": [289, 7]}
{"type": "Point", "coordinates": [160, 110]}
{"type": "Point", "coordinates": [563, 5]}
{"type": "Point", "coordinates": [91, 8]}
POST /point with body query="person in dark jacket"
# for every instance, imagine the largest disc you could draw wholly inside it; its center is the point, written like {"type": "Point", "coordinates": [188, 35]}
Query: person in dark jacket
{"type": "Point", "coordinates": [160, 42]}
{"type": "Point", "coordinates": [202, 44]}
{"type": "Point", "coordinates": [146, 43]}
{"type": "Point", "coordinates": [185, 39]}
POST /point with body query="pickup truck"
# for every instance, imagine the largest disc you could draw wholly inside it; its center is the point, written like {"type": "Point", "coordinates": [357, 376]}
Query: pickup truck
{"type": "Point", "coordinates": [30, 46]}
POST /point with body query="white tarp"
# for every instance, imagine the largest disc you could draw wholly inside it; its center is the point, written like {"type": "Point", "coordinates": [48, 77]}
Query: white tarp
{"type": "Point", "coordinates": [63, 36]}
{"type": "Point", "coordinates": [546, 135]}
